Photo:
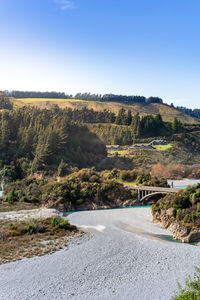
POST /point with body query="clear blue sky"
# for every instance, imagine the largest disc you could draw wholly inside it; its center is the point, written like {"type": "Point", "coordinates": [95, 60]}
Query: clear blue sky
{"type": "Point", "coordinates": [139, 47]}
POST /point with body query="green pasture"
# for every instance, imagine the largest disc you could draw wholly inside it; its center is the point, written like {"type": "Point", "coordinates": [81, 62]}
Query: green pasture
{"type": "Point", "coordinates": [120, 153]}
{"type": "Point", "coordinates": [133, 183]}
{"type": "Point", "coordinates": [163, 147]}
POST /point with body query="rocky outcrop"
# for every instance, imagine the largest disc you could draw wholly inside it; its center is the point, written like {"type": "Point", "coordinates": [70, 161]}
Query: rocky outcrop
{"type": "Point", "coordinates": [167, 220]}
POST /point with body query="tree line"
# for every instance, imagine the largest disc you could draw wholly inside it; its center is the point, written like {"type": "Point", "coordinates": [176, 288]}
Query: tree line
{"type": "Point", "coordinates": [195, 113]}
{"type": "Point", "coordinates": [141, 127]}
{"type": "Point", "coordinates": [150, 126]}
{"type": "Point", "coordinates": [85, 96]}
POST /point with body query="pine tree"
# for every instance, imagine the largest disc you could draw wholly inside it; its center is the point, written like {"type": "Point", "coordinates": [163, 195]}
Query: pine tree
{"type": "Point", "coordinates": [176, 125]}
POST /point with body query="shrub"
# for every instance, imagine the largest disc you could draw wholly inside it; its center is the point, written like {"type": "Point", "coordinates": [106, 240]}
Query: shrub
{"type": "Point", "coordinates": [191, 290]}
{"type": "Point", "coordinates": [178, 213]}
{"type": "Point", "coordinates": [181, 201]}
{"type": "Point", "coordinates": [23, 199]}
{"type": "Point", "coordinates": [30, 229]}
{"type": "Point", "coordinates": [61, 224]}
{"type": "Point", "coordinates": [198, 207]}
{"type": "Point", "coordinates": [11, 197]}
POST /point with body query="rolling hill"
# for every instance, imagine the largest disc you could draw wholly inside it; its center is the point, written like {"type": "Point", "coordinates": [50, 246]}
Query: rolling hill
{"type": "Point", "coordinates": [167, 112]}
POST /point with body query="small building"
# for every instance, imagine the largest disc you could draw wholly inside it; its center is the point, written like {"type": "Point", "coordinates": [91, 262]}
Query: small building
{"type": "Point", "coordinates": [158, 142]}
{"type": "Point", "coordinates": [141, 146]}
{"type": "Point", "coordinates": [113, 148]}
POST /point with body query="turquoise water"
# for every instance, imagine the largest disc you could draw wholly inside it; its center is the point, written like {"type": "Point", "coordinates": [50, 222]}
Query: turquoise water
{"type": "Point", "coordinates": [168, 238]}
{"type": "Point", "coordinates": [183, 184]}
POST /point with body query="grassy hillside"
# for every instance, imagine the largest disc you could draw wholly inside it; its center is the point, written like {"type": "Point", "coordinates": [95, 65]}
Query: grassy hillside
{"type": "Point", "coordinates": [168, 113]}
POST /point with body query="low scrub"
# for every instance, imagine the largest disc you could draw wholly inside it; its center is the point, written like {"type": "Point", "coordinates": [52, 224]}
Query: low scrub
{"type": "Point", "coordinates": [191, 291]}
{"type": "Point", "coordinates": [85, 189]}
{"type": "Point", "coordinates": [34, 237]}
{"type": "Point", "coordinates": [184, 205]}
{"type": "Point", "coordinates": [138, 177]}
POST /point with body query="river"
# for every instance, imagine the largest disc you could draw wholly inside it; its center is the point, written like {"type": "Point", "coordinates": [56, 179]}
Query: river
{"type": "Point", "coordinates": [121, 258]}
{"type": "Point", "coordinates": [183, 184]}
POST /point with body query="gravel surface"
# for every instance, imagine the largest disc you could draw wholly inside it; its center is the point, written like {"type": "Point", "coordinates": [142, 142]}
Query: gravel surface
{"type": "Point", "coordinates": [118, 260]}
{"type": "Point", "coordinates": [38, 213]}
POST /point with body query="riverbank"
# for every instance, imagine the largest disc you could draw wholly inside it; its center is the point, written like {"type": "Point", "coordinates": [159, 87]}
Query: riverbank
{"type": "Point", "coordinates": [118, 261]}
{"type": "Point", "coordinates": [35, 232]}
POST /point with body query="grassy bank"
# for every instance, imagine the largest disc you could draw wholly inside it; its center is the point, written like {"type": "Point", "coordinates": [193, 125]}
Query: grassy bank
{"type": "Point", "coordinates": [33, 238]}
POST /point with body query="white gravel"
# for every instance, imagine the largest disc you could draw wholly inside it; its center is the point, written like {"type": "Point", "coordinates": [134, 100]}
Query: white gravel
{"type": "Point", "coordinates": [117, 262]}
{"type": "Point", "coordinates": [38, 213]}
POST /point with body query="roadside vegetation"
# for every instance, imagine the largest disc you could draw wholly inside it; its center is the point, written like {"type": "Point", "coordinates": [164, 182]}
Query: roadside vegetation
{"type": "Point", "coordinates": [136, 177]}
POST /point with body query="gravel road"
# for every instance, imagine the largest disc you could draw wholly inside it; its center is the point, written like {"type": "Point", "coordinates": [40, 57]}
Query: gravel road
{"type": "Point", "coordinates": [120, 260]}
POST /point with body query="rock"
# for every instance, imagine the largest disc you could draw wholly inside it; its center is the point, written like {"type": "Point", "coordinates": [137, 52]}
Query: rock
{"type": "Point", "coordinates": [170, 212]}
{"type": "Point", "coordinates": [167, 220]}
{"type": "Point", "coordinates": [194, 236]}
{"type": "Point", "coordinates": [180, 233]}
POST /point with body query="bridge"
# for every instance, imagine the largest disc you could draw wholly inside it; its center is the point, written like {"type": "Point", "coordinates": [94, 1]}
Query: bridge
{"type": "Point", "coordinates": [146, 192]}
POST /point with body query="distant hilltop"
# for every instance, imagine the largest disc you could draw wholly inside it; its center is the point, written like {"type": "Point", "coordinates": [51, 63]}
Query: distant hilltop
{"type": "Point", "coordinates": [136, 104]}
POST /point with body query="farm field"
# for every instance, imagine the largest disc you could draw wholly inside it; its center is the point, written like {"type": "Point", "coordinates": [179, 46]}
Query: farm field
{"type": "Point", "coordinates": [163, 147]}
{"type": "Point", "coordinates": [31, 100]}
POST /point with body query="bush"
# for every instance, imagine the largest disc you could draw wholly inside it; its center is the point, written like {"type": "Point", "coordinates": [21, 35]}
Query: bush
{"type": "Point", "coordinates": [61, 224]}
{"type": "Point", "coordinates": [181, 202]}
{"type": "Point", "coordinates": [192, 289]}
{"type": "Point", "coordinates": [11, 197]}
{"type": "Point", "coordinates": [30, 229]}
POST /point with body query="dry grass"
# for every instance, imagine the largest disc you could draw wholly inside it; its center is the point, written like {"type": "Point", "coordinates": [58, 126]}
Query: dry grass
{"type": "Point", "coordinates": [168, 113]}
{"type": "Point", "coordinates": [31, 100]}
{"type": "Point", "coordinates": [6, 206]}
{"type": "Point", "coordinates": [16, 245]}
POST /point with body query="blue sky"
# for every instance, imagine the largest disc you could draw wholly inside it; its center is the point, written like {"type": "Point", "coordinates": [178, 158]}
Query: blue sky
{"type": "Point", "coordinates": [139, 47]}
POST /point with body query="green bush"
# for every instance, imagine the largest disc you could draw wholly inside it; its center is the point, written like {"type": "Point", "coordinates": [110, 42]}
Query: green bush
{"type": "Point", "coordinates": [181, 201]}
{"type": "Point", "coordinates": [11, 197]}
{"type": "Point", "coordinates": [191, 290]}
{"type": "Point", "coordinates": [30, 229]}
{"type": "Point", "coordinates": [60, 224]}
{"type": "Point", "coordinates": [23, 199]}
{"type": "Point", "coordinates": [178, 213]}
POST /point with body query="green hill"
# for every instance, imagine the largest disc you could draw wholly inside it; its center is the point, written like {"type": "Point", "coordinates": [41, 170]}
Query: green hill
{"type": "Point", "coordinates": [168, 113]}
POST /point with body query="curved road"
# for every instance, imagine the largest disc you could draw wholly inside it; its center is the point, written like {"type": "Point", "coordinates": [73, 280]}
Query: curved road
{"type": "Point", "coordinates": [121, 260]}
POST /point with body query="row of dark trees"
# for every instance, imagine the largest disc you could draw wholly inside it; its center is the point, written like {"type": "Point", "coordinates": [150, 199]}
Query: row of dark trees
{"type": "Point", "coordinates": [195, 113]}
{"type": "Point", "coordinates": [146, 126]}
{"type": "Point", "coordinates": [150, 126]}
{"type": "Point", "coordinates": [85, 96]}
{"type": "Point", "coordinates": [86, 115]}
{"type": "Point", "coordinates": [32, 94]}
{"type": "Point", "coordinates": [141, 127]}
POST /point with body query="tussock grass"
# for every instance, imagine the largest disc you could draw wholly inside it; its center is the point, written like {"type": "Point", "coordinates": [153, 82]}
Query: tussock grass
{"type": "Point", "coordinates": [33, 238]}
